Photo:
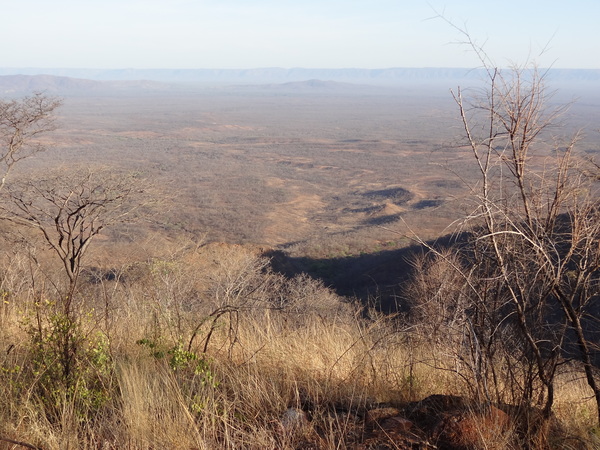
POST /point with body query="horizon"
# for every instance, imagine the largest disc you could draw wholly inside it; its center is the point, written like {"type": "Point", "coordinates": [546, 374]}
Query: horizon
{"type": "Point", "coordinates": [296, 67]}
{"type": "Point", "coordinates": [47, 78]}
{"type": "Point", "coordinates": [38, 70]}
{"type": "Point", "coordinates": [391, 76]}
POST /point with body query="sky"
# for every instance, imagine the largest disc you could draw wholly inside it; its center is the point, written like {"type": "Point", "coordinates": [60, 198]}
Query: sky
{"type": "Point", "coordinates": [228, 34]}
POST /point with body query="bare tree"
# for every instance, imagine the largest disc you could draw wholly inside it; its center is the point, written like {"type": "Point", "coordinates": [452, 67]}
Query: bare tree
{"type": "Point", "coordinates": [69, 211]}
{"type": "Point", "coordinates": [530, 271]}
{"type": "Point", "coordinates": [22, 123]}
{"type": "Point", "coordinates": [537, 221]}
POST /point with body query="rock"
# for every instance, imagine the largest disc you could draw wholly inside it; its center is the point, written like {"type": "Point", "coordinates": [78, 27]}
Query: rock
{"type": "Point", "coordinates": [470, 429]}
{"type": "Point", "coordinates": [293, 419]}
{"type": "Point", "coordinates": [378, 415]}
{"type": "Point", "coordinates": [386, 428]}
{"type": "Point", "coordinates": [428, 411]}
{"type": "Point", "coordinates": [396, 424]}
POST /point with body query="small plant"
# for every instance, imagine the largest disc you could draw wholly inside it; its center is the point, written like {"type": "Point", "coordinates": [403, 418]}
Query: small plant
{"type": "Point", "coordinates": [181, 360]}
{"type": "Point", "coordinates": [192, 372]}
{"type": "Point", "coordinates": [66, 365]}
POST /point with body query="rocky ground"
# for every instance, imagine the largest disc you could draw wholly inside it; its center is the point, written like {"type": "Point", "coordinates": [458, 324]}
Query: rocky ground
{"type": "Point", "coordinates": [436, 422]}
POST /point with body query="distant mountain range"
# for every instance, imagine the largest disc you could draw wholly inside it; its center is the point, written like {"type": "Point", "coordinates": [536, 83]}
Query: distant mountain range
{"type": "Point", "coordinates": [389, 76]}
{"type": "Point", "coordinates": [17, 84]}
{"type": "Point", "coordinates": [76, 82]}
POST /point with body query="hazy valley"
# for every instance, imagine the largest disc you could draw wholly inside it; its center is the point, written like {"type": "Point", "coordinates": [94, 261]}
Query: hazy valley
{"type": "Point", "coordinates": [242, 307]}
{"type": "Point", "coordinates": [326, 171]}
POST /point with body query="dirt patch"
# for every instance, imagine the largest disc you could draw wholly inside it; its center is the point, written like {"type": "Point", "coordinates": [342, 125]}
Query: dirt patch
{"type": "Point", "coordinates": [292, 219]}
{"type": "Point", "coordinates": [140, 134]}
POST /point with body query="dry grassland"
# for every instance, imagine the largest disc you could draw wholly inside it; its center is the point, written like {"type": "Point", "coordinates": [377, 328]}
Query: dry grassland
{"type": "Point", "coordinates": [199, 328]}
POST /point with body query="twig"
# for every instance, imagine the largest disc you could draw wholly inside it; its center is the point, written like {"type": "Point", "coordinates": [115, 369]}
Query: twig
{"type": "Point", "coordinates": [22, 444]}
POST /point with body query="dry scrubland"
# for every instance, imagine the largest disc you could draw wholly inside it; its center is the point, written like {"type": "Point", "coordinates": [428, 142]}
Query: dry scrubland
{"type": "Point", "coordinates": [209, 349]}
{"type": "Point", "coordinates": [268, 168]}
{"type": "Point", "coordinates": [180, 333]}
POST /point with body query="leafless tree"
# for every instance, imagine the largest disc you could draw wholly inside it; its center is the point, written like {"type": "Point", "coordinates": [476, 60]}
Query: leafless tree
{"type": "Point", "coordinates": [22, 123]}
{"type": "Point", "coordinates": [538, 219]}
{"type": "Point", "coordinates": [69, 210]}
{"type": "Point", "coordinates": [530, 271]}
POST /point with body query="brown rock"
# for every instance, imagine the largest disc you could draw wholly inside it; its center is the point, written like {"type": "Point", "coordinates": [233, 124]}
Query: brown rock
{"type": "Point", "coordinates": [467, 430]}
{"type": "Point", "coordinates": [378, 415]}
{"type": "Point", "coordinates": [396, 424]}
{"type": "Point", "coordinates": [387, 429]}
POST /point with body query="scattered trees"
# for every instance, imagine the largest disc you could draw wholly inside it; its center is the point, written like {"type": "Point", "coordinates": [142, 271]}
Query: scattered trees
{"type": "Point", "coordinates": [67, 209]}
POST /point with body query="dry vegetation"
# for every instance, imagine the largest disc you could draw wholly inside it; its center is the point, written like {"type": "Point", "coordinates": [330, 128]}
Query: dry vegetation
{"type": "Point", "coordinates": [208, 348]}
{"type": "Point", "coordinates": [159, 334]}
{"type": "Point", "coordinates": [256, 167]}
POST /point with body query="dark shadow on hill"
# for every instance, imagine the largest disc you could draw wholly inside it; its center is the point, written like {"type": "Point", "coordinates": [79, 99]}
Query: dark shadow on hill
{"type": "Point", "coordinates": [373, 279]}
{"type": "Point", "coordinates": [377, 279]}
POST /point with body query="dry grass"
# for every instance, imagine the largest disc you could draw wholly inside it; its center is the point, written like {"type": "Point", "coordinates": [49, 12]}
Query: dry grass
{"type": "Point", "coordinates": [267, 354]}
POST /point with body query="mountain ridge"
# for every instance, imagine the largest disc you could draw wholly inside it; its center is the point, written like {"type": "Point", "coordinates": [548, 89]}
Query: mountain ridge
{"type": "Point", "coordinates": [16, 84]}
{"type": "Point", "coordinates": [384, 76]}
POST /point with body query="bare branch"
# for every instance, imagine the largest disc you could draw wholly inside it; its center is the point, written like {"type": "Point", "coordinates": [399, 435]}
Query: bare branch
{"type": "Point", "coordinates": [70, 210]}
{"type": "Point", "coordinates": [22, 122]}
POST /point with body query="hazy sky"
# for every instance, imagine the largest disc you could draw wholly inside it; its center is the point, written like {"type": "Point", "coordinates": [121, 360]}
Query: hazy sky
{"type": "Point", "coordinates": [285, 33]}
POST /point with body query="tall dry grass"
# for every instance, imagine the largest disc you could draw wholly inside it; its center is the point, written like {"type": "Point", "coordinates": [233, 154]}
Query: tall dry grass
{"type": "Point", "coordinates": [144, 380]}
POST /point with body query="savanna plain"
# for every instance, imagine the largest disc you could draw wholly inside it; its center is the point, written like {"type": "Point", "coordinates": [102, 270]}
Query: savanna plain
{"type": "Point", "coordinates": [278, 274]}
